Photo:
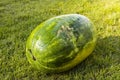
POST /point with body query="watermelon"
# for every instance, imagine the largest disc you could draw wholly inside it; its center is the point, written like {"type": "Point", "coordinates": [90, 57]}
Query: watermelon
{"type": "Point", "coordinates": [60, 43]}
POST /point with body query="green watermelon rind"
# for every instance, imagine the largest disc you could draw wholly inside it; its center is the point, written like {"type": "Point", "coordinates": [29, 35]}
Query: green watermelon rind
{"type": "Point", "coordinates": [81, 55]}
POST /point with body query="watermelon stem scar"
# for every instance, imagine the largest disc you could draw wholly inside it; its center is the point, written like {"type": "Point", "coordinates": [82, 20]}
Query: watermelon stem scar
{"type": "Point", "coordinates": [32, 54]}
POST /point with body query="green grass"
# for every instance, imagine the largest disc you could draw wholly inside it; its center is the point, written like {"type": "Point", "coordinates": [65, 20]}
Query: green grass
{"type": "Point", "coordinates": [19, 17]}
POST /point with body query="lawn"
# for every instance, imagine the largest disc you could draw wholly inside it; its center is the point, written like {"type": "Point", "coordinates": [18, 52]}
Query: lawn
{"type": "Point", "coordinates": [19, 17]}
